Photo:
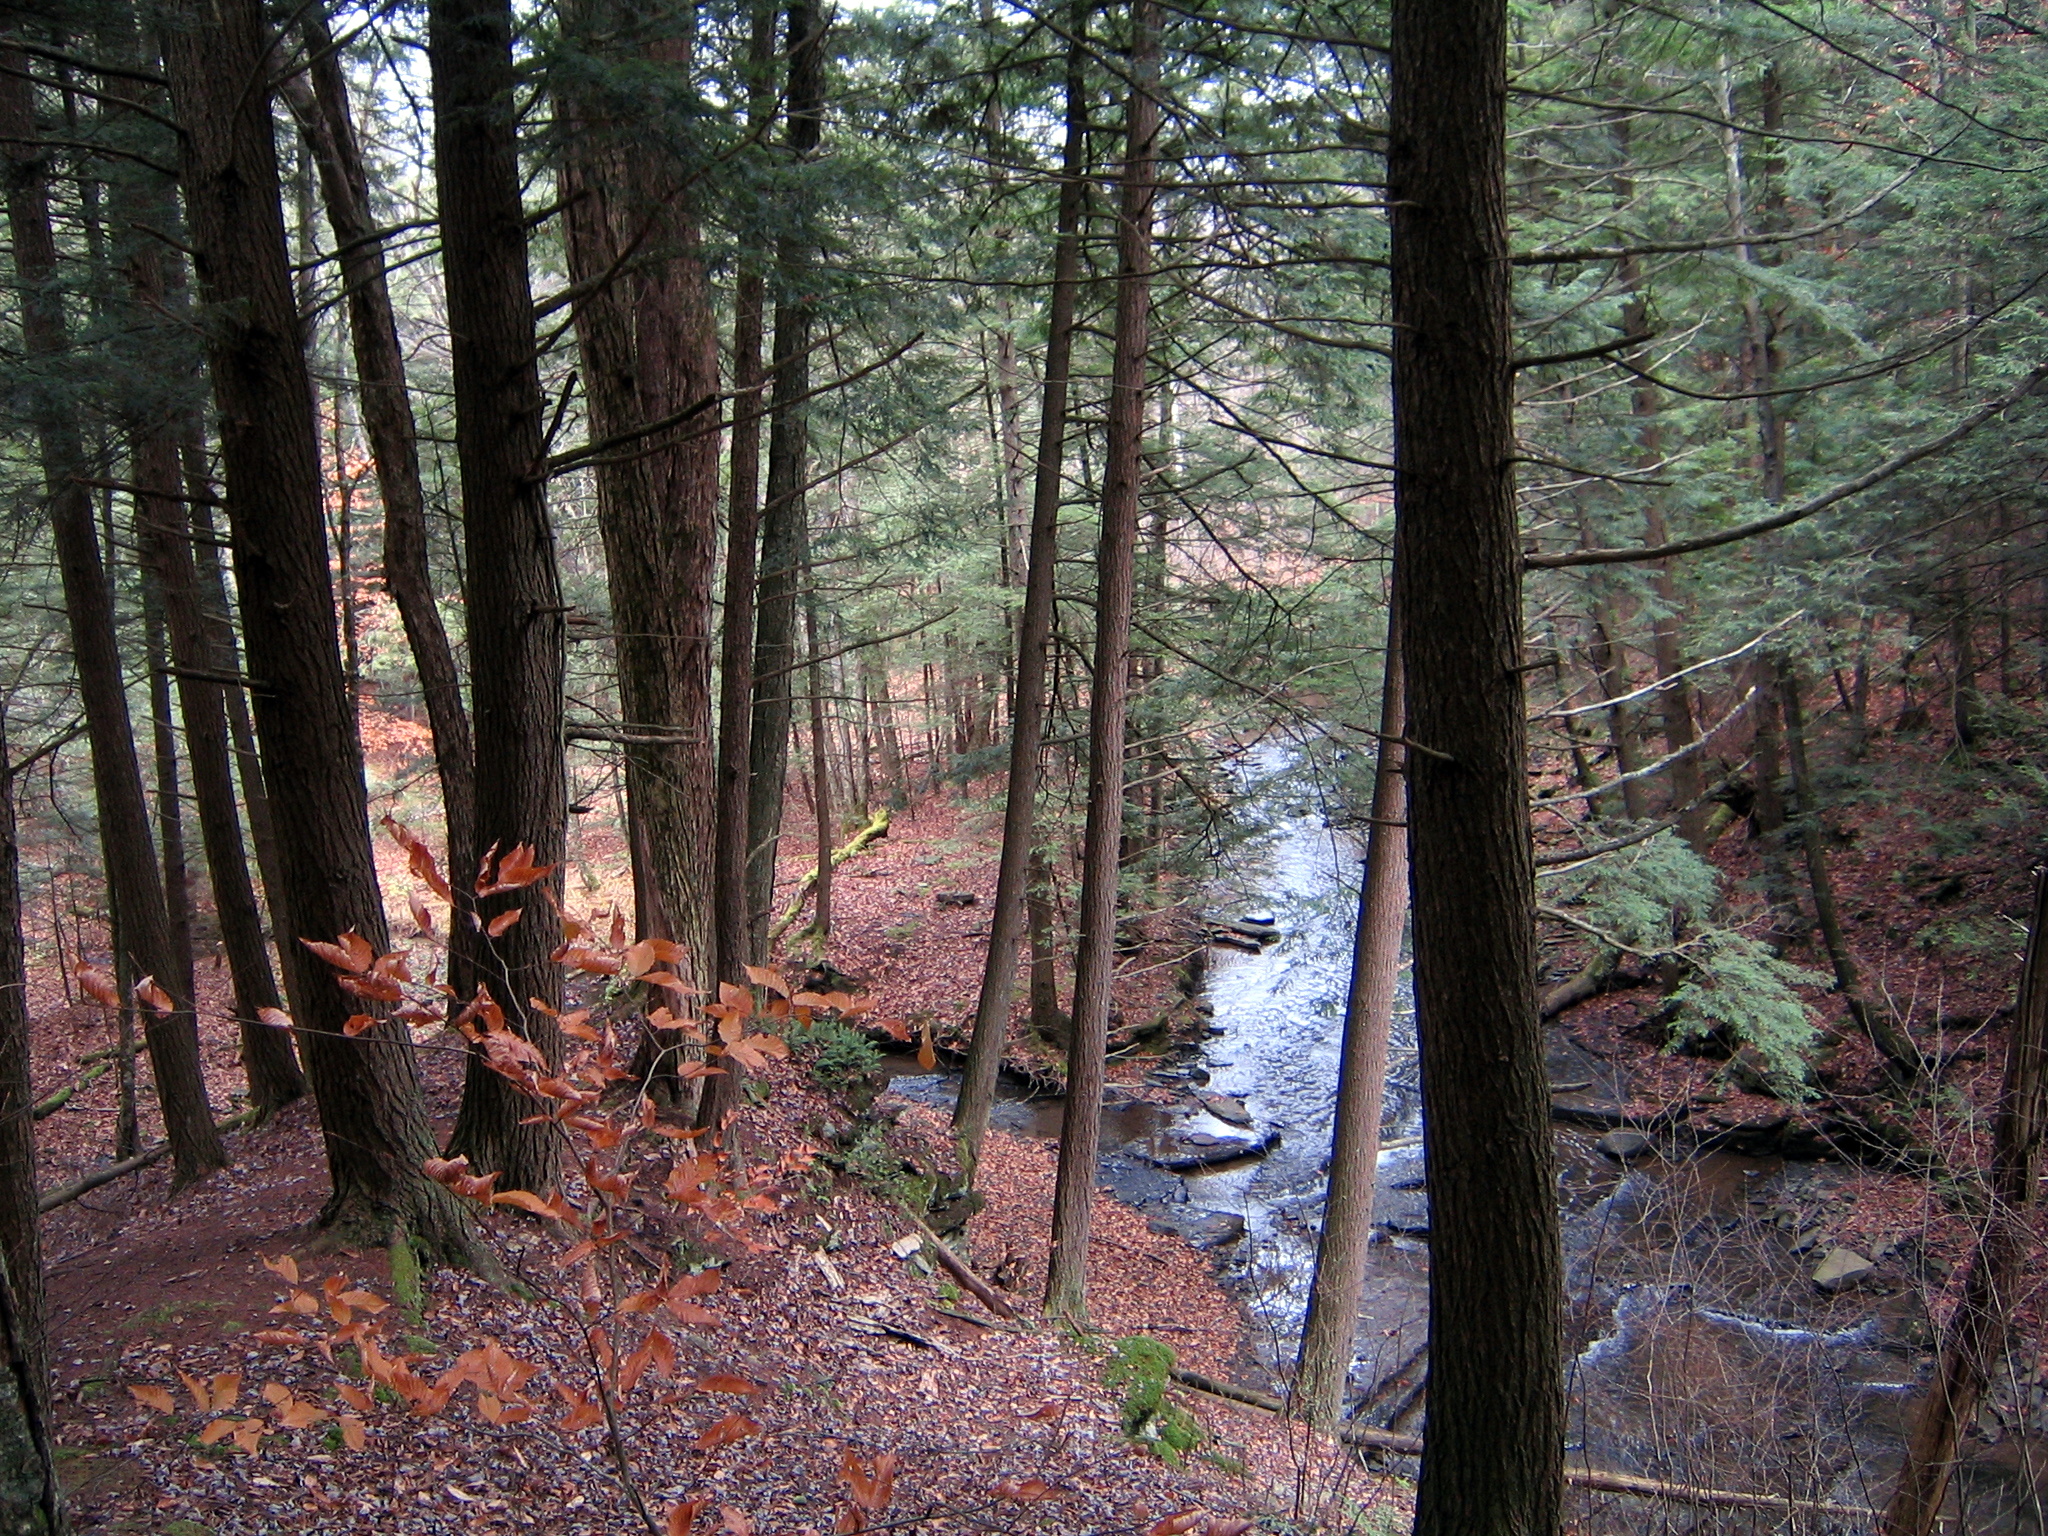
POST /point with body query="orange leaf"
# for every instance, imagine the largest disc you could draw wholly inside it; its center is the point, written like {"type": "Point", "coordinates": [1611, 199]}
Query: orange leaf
{"type": "Point", "coordinates": [420, 857]}
{"type": "Point", "coordinates": [356, 1023]}
{"type": "Point", "coordinates": [1221, 1527]}
{"type": "Point", "coordinates": [583, 1412]}
{"type": "Point", "coordinates": [1175, 1525]}
{"type": "Point", "coordinates": [154, 997]}
{"type": "Point", "coordinates": [555, 1206]}
{"type": "Point", "coordinates": [97, 985]}
{"type": "Point", "coordinates": [223, 1390]}
{"type": "Point", "coordinates": [353, 1435]}
{"type": "Point", "coordinates": [682, 1517]}
{"type": "Point", "coordinates": [354, 1396]}
{"type": "Point", "coordinates": [283, 1265]}
{"type": "Point", "coordinates": [725, 1381]}
{"type": "Point", "coordinates": [1023, 1490]}
{"type": "Point", "coordinates": [618, 927]}
{"type": "Point", "coordinates": [733, 1523]}
{"type": "Point", "coordinates": [736, 998]}
{"type": "Point", "coordinates": [500, 924]}
{"type": "Point", "coordinates": [926, 1056]}
{"type": "Point", "coordinates": [768, 976]}
{"type": "Point", "coordinates": [218, 1431]}
{"type": "Point", "coordinates": [734, 1426]}
{"type": "Point", "coordinates": [298, 1415]}
{"type": "Point", "coordinates": [276, 1018]}
{"type": "Point", "coordinates": [352, 953]}
{"type": "Point", "coordinates": [201, 1398]}
{"type": "Point", "coordinates": [421, 917]}
{"type": "Point", "coordinates": [249, 1435]}
{"type": "Point", "coordinates": [154, 1397]}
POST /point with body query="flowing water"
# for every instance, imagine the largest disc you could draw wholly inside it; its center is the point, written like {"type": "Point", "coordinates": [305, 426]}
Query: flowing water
{"type": "Point", "coordinates": [1699, 1348]}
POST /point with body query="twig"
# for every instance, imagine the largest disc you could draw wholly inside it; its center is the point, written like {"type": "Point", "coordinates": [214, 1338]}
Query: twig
{"type": "Point", "coordinates": [972, 1283]}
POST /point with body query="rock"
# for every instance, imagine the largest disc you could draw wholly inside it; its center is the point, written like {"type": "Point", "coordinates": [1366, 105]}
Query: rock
{"type": "Point", "coordinates": [1842, 1268]}
{"type": "Point", "coordinates": [1183, 1151]}
{"type": "Point", "coordinates": [1203, 1229]}
{"type": "Point", "coordinates": [956, 899]}
{"type": "Point", "coordinates": [1626, 1146]}
{"type": "Point", "coordinates": [1225, 1108]}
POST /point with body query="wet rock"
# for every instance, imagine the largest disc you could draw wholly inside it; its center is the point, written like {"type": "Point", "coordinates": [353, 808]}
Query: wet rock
{"type": "Point", "coordinates": [1230, 1111]}
{"type": "Point", "coordinates": [1183, 1151]}
{"type": "Point", "coordinates": [1584, 1109]}
{"type": "Point", "coordinates": [1842, 1268]}
{"type": "Point", "coordinates": [1626, 1146]}
{"type": "Point", "coordinates": [1204, 1229]}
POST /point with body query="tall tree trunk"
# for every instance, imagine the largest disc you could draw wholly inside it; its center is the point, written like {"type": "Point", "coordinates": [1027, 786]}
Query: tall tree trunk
{"type": "Point", "coordinates": [783, 515]}
{"type": "Point", "coordinates": [1034, 637]}
{"type": "Point", "coordinates": [1332, 1323]}
{"type": "Point", "coordinates": [515, 614]}
{"type": "Point", "coordinates": [373, 1115]}
{"type": "Point", "coordinates": [1066, 1283]}
{"type": "Point", "coordinates": [170, 810]}
{"type": "Point", "coordinates": [267, 1055]}
{"type": "Point", "coordinates": [732, 914]}
{"type": "Point", "coordinates": [1494, 1459]}
{"type": "Point", "coordinates": [29, 1479]}
{"type": "Point", "coordinates": [1974, 1333]}
{"type": "Point", "coordinates": [1885, 1032]}
{"type": "Point", "coordinates": [1767, 817]}
{"type": "Point", "coordinates": [821, 772]}
{"type": "Point", "coordinates": [138, 894]}
{"type": "Point", "coordinates": [321, 105]}
{"type": "Point", "coordinates": [650, 351]}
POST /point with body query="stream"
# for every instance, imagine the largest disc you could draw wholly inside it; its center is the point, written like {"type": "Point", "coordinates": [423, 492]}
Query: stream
{"type": "Point", "coordinates": [1699, 1347]}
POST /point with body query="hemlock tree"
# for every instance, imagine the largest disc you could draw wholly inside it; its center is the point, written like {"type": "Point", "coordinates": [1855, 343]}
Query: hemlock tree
{"type": "Point", "coordinates": [517, 620]}
{"type": "Point", "coordinates": [373, 1115]}
{"type": "Point", "coordinates": [1493, 1463]}
{"type": "Point", "coordinates": [1066, 1281]}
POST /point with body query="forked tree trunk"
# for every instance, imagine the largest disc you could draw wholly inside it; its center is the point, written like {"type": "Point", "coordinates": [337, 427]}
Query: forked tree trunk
{"type": "Point", "coordinates": [516, 619]}
{"type": "Point", "coordinates": [1493, 1465]}
{"type": "Point", "coordinates": [1066, 1282]}
{"type": "Point", "coordinates": [1975, 1332]}
{"type": "Point", "coordinates": [1034, 635]}
{"type": "Point", "coordinates": [136, 890]}
{"type": "Point", "coordinates": [321, 105]}
{"type": "Point", "coordinates": [373, 1115]}
{"type": "Point", "coordinates": [1332, 1323]}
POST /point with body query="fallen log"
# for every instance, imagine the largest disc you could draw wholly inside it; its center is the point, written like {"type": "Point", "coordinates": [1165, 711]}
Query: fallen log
{"type": "Point", "coordinates": [970, 1282]}
{"type": "Point", "coordinates": [149, 1155]}
{"type": "Point", "coordinates": [1593, 1479]}
{"type": "Point", "coordinates": [877, 827]}
{"type": "Point", "coordinates": [56, 1099]}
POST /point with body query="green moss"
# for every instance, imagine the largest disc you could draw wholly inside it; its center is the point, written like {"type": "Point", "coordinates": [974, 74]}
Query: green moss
{"type": "Point", "coordinates": [1142, 1369]}
{"type": "Point", "coordinates": [408, 1283]}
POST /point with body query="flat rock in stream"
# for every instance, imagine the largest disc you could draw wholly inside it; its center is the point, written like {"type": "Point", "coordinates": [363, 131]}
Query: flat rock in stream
{"type": "Point", "coordinates": [1229, 1110]}
{"type": "Point", "coordinates": [1626, 1146]}
{"type": "Point", "coordinates": [1179, 1150]}
{"type": "Point", "coordinates": [1202, 1229]}
{"type": "Point", "coordinates": [1842, 1268]}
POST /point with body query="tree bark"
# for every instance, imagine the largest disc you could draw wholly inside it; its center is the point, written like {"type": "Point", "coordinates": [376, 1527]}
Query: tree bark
{"type": "Point", "coordinates": [1975, 1332]}
{"type": "Point", "coordinates": [1328, 1333]}
{"type": "Point", "coordinates": [650, 353]}
{"type": "Point", "coordinates": [821, 772]}
{"type": "Point", "coordinates": [516, 619]}
{"type": "Point", "coordinates": [321, 106]}
{"type": "Point", "coordinates": [732, 914]}
{"type": "Point", "coordinates": [28, 1483]}
{"type": "Point", "coordinates": [1889, 1036]}
{"type": "Point", "coordinates": [137, 892]}
{"type": "Point", "coordinates": [783, 515]}
{"type": "Point", "coordinates": [1109, 693]}
{"type": "Point", "coordinates": [373, 1115]}
{"type": "Point", "coordinates": [1007, 920]}
{"type": "Point", "coordinates": [1494, 1462]}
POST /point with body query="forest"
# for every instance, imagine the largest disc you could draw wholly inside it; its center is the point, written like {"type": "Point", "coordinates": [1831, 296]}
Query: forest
{"type": "Point", "coordinates": [1177, 768]}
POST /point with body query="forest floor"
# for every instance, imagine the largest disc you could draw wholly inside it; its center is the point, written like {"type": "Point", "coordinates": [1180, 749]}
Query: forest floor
{"type": "Point", "coordinates": [855, 1351]}
{"type": "Point", "coordinates": [161, 1299]}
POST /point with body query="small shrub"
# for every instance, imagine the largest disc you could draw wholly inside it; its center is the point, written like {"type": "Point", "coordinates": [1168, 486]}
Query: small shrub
{"type": "Point", "coordinates": [839, 1056]}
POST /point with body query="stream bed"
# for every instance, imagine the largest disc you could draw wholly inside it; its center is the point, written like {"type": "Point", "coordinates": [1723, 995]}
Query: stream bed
{"type": "Point", "coordinates": [1699, 1347]}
